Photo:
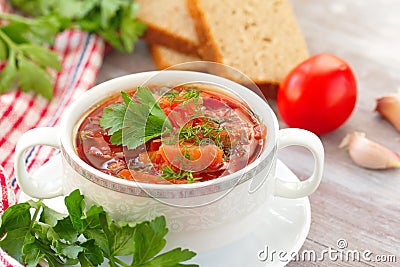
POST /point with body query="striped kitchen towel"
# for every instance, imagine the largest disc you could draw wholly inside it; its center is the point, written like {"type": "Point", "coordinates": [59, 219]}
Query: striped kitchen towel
{"type": "Point", "coordinates": [81, 55]}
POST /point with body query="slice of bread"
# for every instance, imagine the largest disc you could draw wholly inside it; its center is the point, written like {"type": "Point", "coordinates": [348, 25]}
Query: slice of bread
{"type": "Point", "coordinates": [258, 37]}
{"type": "Point", "coordinates": [165, 57]}
{"type": "Point", "coordinates": [168, 24]}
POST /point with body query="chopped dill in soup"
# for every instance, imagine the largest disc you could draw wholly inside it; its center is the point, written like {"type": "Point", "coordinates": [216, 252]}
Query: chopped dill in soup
{"type": "Point", "coordinates": [161, 135]}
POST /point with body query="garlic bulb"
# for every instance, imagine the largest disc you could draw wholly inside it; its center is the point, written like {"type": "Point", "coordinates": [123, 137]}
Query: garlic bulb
{"type": "Point", "coordinates": [389, 108]}
{"type": "Point", "coordinates": [369, 154]}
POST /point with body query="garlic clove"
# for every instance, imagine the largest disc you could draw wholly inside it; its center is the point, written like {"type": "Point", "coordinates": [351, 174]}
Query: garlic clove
{"type": "Point", "coordinates": [389, 108]}
{"type": "Point", "coordinates": [369, 154]}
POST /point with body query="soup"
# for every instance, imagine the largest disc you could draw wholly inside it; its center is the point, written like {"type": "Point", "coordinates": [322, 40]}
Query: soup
{"type": "Point", "coordinates": [185, 134]}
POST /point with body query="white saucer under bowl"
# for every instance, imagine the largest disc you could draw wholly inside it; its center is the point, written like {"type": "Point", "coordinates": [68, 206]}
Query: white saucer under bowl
{"type": "Point", "coordinates": [279, 229]}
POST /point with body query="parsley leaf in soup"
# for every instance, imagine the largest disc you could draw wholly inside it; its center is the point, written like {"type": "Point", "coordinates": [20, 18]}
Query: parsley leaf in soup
{"type": "Point", "coordinates": [113, 120]}
{"type": "Point", "coordinates": [136, 121]}
{"type": "Point", "coordinates": [32, 233]}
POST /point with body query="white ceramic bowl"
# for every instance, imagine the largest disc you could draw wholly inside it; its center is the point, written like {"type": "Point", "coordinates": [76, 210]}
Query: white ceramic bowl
{"type": "Point", "coordinates": [189, 208]}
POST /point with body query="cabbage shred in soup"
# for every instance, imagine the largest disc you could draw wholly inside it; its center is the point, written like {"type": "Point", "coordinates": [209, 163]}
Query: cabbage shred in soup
{"type": "Point", "coordinates": [162, 135]}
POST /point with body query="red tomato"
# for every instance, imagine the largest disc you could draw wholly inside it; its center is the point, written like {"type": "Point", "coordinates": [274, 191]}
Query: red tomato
{"type": "Point", "coordinates": [318, 95]}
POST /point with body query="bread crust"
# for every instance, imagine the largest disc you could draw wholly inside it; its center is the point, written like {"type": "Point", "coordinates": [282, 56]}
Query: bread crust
{"type": "Point", "coordinates": [156, 35]}
{"type": "Point", "coordinates": [207, 49]}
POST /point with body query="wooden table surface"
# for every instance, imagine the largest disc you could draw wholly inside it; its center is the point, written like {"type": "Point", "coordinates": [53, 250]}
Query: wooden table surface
{"type": "Point", "coordinates": [358, 205]}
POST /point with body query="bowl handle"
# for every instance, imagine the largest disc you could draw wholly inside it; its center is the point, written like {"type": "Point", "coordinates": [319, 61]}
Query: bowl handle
{"type": "Point", "coordinates": [304, 138]}
{"type": "Point", "coordinates": [45, 186]}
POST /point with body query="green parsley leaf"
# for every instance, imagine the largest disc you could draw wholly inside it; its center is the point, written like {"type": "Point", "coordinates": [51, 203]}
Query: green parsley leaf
{"type": "Point", "coordinates": [130, 29]}
{"type": "Point", "coordinates": [119, 239]}
{"type": "Point", "coordinates": [15, 223]}
{"type": "Point", "coordinates": [116, 138]}
{"type": "Point", "coordinates": [3, 50]}
{"type": "Point", "coordinates": [15, 33]}
{"type": "Point", "coordinates": [34, 7]}
{"type": "Point", "coordinates": [34, 251]}
{"type": "Point", "coordinates": [69, 250]}
{"type": "Point", "coordinates": [9, 73]}
{"type": "Point", "coordinates": [65, 228]}
{"type": "Point", "coordinates": [172, 259]}
{"type": "Point", "coordinates": [76, 207]}
{"type": "Point", "coordinates": [43, 30]}
{"type": "Point", "coordinates": [149, 239]}
{"type": "Point", "coordinates": [34, 78]}
{"type": "Point", "coordinates": [50, 216]}
{"type": "Point", "coordinates": [92, 254]}
{"type": "Point", "coordinates": [40, 31]}
{"type": "Point", "coordinates": [112, 118]}
{"type": "Point", "coordinates": [42, 56]}
{"type": "Point", "coordinates": [136, 121]}
{"type": "Point", "coordinates": [108, 10]}
{"type": "Point", "coordinates": [74, 9]}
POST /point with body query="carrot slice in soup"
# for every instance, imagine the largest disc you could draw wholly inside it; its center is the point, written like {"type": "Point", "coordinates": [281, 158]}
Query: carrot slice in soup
{"type": "Point", "coordinates": [192, 157]}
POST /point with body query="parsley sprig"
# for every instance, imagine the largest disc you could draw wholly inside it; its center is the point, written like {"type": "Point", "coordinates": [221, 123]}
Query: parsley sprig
{"type": "Point", "coordinates": [31, 232]}
{"type": "Point", "coordinates": [24, 41]}
{"type": "Point", "coordinates": [135, 121]}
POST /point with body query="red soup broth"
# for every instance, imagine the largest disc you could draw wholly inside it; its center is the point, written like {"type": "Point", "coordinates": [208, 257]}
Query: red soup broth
{"type": "Point", "coordinates": [214, 134]}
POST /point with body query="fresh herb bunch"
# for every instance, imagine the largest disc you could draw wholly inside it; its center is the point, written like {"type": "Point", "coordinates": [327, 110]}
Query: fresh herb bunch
{"type": "Point", "coordinates": [84, 237]}
{"type": "Point", "coordinates": [136, 121]}
{"type": "Point", "coordinates": [22, 39]}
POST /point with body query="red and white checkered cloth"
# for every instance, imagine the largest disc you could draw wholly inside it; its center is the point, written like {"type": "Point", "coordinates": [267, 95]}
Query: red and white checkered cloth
{"type": "Point", "coordinates": [81, 55]}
